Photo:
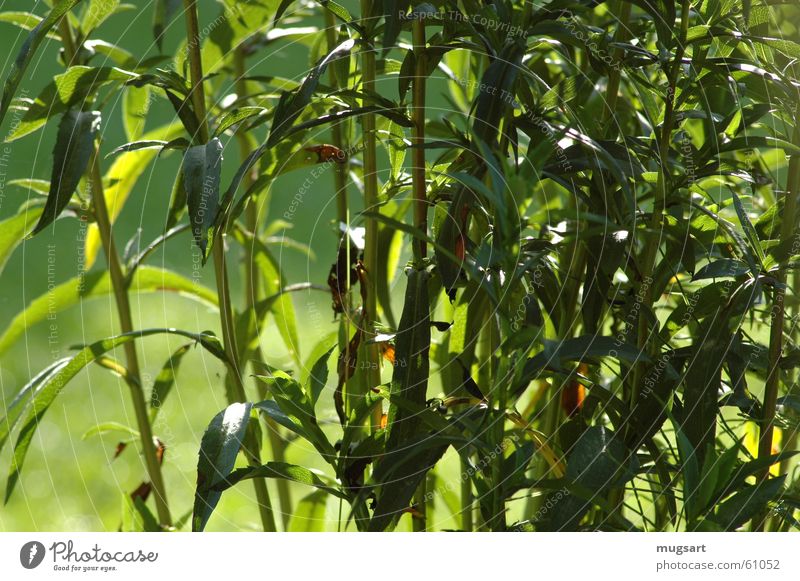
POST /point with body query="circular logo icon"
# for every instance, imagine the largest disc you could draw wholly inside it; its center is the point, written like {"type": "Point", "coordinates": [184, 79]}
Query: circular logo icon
{"type": "Point", "coordinates": [31, 554]}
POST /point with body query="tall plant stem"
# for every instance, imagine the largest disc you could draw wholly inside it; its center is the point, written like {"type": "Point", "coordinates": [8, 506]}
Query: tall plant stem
{"type": "Point", "coordinates": [252, 446]}
{"type": "Point", "coordinates": [120, 288]}
{"type": "Point", "coordinates": [372, 363]}
{"type": "Point", "coordinates": [418, 138]}
{"type": "Point", "coordinates": [121, 298]}
{"type": "Point", "coordinates": [788, 237]}
{"type": "Point", "coordinates": [660, 202]}
{"type": "Point", "coordinates": [419, 192]}
{"type": "Point", "coordinates": [253, 290]}
{"type": "Point", "coordinates": [341, 169]}
{"type": "Point", "coordinates": [342, 217]}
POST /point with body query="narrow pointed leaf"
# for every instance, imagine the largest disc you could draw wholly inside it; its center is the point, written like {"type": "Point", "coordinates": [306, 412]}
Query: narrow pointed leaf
{"type": "Point", "coordinates": [71, 155]}
{"type": "Point", "coordinates": [44, 396]}
{"type": "Point", "coordinates": [28, 49]}
{"type": "Point", "coordinates": [202, 165]}
{"type": "Point", "coordinates": [218, 450]}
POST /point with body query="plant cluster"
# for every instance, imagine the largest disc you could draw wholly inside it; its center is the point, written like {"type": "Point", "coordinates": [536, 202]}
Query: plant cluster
{"type": "Point", "coordinates": [596, 206]}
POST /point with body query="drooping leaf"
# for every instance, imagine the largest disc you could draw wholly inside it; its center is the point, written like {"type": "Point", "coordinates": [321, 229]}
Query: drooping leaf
{"type": "Point", "coordinates": [73, 149]}
{"type": "Point", "coordinates": [202, 165]}
{"type": "Point", "coordinates": [597, 462]}
{"type": "Point", "coordinates": [29, 48]}
{"type": "Point", "coordinates": [121, 178]}
{"type": "Point", "coordinates": [291, 105]}
{"type": "Point", "coordinates": [318, 376]}
{"type": "Point", "coordinates": [281, 470]}
{"type": "Point", "coordinates": [97, 284]}
{"type": "Point", "coordinates": [165, 380]}
{"type": "Point", "coordinates": [14, 409]}
{"type": "Point", "coordinates": [219, 447]}
{"type": "Point", "coordinates": [14, 230]}
{"type": "Point", "coordinates": [44, 396]}
{"type": "Point", "coordinates": [96, 12]}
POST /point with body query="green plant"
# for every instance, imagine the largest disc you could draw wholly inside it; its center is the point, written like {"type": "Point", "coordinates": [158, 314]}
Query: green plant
{"type": "Point", "coordinates": [593, 208]}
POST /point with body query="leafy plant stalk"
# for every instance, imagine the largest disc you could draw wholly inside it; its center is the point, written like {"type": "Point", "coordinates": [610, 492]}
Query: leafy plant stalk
{"type": "Point", "coordinates": [122, 300]}
{"type": "Point", "coordinates": [659, 203]}
{"type": "Point", "coordinates": [418, 184]}
{"type": "Point", "coordinates": [418, 139]}
{"type": "Point", "coordinates": [788, 238]}
{"type": "Point", "coordinates": [342, 213]}
{"type": "Point", "coordinates": [251, 446]}
{"type": "Point", "coordinates": [372, 363]}
{"type": "Point", "coordinates": [253, 290]}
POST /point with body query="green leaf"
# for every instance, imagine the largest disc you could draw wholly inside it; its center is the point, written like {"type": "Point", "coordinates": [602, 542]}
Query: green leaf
{"type": "Point", "coordinates": [14, 230]}
{"type": "Point", "coordinates": [278, 470]}
{"type": "Point", "coordinates": [578, 349]}
{"type": "Point", "coordinates": [107, 427]}
{"type": "Point", "coordinates": [135, 106]}
{"type": "Point", "coordinates": [296, 404]}
{"type": "Point", "coordinates": [747, 503]}
{"type": "Point", "coordinates": [73, 149]}
{"type": "Point", "coordinates": [219, 447]}
{"type": "Point", "coordinates": [137, 145]}
{"type": "Point", "coordinates": [44, 396]}
{"type": "Point", "coordinates": [18, 405]}
{"type": "Point", "coordinates": [411, 367]}
{"type": "Point", "coordinates": [498, 81]}
{"type": "Point", "coordinates": [96, 12]}
{"type": "Point", "coordinates": [26, 21]}
{"type": "Point", "coordinates": [37, 186]}
{"type": "Point", "coordinates": [231, 118]}
{"type": "Point", "coordinates": [165, 380]}
{"type": "Point", "coordinates": [28, 49]}
{"type": "Point", "coordinates": [394, 12]}
{"type": "Point", "coordinates": [120, 179]}
{"type": "Point", "coordinates": [97, 284]}
{"type": "Point", "coordinates": [597, 462]}
{"type": "Point", "coordinates": [722, 268]}
{"type": "Point", "coordinates": [202, 165]}
{"type": "Point", "coordinates": [409, 382]}
{"type": "Point", "coordinates": [319, 376]}
{"type": "Point", "coordinates": [291, 105]}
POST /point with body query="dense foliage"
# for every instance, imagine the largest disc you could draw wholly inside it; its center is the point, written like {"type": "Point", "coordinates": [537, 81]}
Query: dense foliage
{"type": "Point", "coordinates": [564, 288]}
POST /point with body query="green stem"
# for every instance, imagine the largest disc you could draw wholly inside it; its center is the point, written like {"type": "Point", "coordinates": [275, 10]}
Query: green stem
{"type": "Point", "coordinates": [660, 202]}
{"type": "Point", "coordinates": [253, 290]}
{"type": "Point", "coordinates": [198, 94]}
{"type": "Point", "coordinates": [418, 138]}
{"type": "Point", "coordinates": [120, 287]}
{"type": "Point", "coordinates": [341, 169]}
{"type": "Point", "coordinates": [342, 217]}
{"type": "Point", "coordinates": [372, 363]}
{"type": "Point", "coordinates": [467, 498]}
{"type": "Point", "coordinates": [252, 446]}
{"type": "Point", "coordinates": [772, 384]}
